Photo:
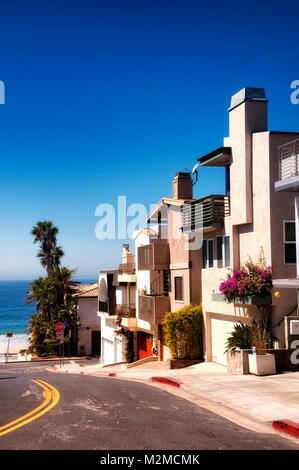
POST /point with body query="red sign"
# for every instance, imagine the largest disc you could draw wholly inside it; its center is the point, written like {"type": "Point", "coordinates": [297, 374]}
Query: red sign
{"type": "Point", "coordinates": [59, 326]}
{"type": "Point", "coordinates": [60, 336]}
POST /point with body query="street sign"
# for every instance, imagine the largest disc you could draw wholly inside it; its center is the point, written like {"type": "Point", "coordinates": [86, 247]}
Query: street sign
{"type": "Point", "coordinates": [59, 326]}
{"type": "Point", "coordinates": [9, 335]}
{"type": "Point", "coordinates": [60, 336]}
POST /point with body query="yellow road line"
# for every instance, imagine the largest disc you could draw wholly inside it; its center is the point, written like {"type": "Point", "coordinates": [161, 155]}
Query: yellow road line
{"type": "Point", "coordinates": [52, 397]}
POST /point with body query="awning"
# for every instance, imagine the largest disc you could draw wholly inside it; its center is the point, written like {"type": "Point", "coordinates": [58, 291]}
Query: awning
{"type": "Point", "coordinates": [218, 157]}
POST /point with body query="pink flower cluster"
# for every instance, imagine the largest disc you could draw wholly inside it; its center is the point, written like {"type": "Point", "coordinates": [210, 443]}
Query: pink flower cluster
{"type": "Point", "coordinates": [246, 282]}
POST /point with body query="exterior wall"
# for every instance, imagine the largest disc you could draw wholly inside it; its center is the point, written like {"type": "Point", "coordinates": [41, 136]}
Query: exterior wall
{"type": "Point", "coordinates": [89, 320]}
{"type": "Point", "coordinates": [257, 215]}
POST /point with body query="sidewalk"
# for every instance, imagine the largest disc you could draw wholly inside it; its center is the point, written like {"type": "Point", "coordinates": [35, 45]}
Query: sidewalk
{"type": "Point", "coordinates": [265, 399]}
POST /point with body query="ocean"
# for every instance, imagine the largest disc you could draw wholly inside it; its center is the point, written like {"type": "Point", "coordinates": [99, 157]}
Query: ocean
{"type": "Point", "coordinates": [14, 314]}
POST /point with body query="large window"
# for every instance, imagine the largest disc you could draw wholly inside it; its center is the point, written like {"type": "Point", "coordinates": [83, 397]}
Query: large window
{"type": "Point", "coordinates": [178, 288]}
{"type": "Point", "coordinates": [289, 242]}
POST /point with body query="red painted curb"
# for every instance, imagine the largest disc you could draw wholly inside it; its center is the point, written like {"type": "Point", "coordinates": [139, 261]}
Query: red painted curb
{"type": "Point", "coordinates": [287, 426]}
{"type": "Point", "coordinates": [167, 381]}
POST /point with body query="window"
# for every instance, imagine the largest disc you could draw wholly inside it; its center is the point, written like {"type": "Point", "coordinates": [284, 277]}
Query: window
{"type": "Point", "coordinates": [178, 288]}
{"type": "Point", "coordinates": [223, 251]}
{"type": "Point", "coordinates": [208, 254]}
{"type": "Point", "coordinates": [289, 242]}
{"type": "Point", "coordinates": [219, 252]}
{"type": "Point", "coordinates": [226, 242]}
{"type": "Point", "coordinates": [204, 253]}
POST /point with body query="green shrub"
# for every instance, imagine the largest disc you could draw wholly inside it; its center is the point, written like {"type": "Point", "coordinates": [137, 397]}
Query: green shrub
{"type": "Point", "coordinates": [183, 332]}
{"type": "Point", "coordinates": [240, 337]}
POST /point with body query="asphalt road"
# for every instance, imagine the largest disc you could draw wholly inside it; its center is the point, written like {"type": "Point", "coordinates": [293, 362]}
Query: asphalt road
{"type": "Point", "coordinates": [108, 413]}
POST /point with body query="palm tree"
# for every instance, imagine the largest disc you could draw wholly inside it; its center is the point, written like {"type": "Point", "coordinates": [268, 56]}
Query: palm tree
{"type": "Point", "coordinates": [41, 292]}
{"type": "Point", "coordinates": [46, 233]}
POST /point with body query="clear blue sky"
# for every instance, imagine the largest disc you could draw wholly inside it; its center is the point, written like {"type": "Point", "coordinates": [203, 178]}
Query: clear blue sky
{"type": "Point", "coordinates": [108, 98]}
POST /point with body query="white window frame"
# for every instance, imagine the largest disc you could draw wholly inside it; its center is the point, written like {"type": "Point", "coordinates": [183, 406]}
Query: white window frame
{"type": "Point", "coordinates": [223, 251]}
{"type": "Point", "coordinates": [284, 240]}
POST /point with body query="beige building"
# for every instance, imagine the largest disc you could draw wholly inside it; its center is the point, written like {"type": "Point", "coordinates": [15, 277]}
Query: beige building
{"type": "Point", "coordinates": [167, 270]}
{"type": "Point", "coordinates": [175, 269]}
{"type": "Point", "coordinates": [250, 215]}
{"type": "Point", "coordinates": [89, 336]}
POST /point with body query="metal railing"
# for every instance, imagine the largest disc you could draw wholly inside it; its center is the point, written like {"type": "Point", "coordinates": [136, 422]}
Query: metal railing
{"type": "Point", "coordinates": [205, 212]}
{"type": "Point", "coordinates": [288, 155]}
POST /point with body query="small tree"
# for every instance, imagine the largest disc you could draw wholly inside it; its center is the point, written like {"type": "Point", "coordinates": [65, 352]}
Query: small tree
{"type": "Point", "coordinates": [183, 332]}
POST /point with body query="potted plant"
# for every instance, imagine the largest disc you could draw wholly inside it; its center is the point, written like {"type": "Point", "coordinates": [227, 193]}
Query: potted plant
{"type": "Point", "coordinates": [238, 347]}
{"type": "Point", "coordinates": [259, 362]}
{"type": "Point", "coordinates": [250, 284]}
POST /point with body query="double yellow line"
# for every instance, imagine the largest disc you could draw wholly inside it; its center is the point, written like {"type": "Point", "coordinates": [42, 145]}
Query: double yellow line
{"type": "Point", "coordinates": [51, 396]}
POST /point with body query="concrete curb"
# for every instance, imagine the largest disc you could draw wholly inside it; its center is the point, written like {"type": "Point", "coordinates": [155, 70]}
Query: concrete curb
{"type": "Point", "coordinates": [287, 426]}
{"type": "Point", "coordinates": [167, 381]}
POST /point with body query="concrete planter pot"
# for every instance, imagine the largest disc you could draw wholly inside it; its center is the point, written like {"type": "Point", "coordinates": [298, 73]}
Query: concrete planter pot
{"type": "Point", "coordinates": [262, 364]}
{"type": "Point", "coordinates": [251, 300]}
{"type": "Point", "coordinates": [237, 361]}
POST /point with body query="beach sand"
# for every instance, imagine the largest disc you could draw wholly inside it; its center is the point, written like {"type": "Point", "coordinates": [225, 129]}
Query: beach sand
{"type": "Point", "coordinates": [16, 343]}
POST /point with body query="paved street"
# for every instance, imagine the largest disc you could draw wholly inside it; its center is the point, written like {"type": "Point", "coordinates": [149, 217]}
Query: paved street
{"type": "Point", "coordinates": [107, 413]}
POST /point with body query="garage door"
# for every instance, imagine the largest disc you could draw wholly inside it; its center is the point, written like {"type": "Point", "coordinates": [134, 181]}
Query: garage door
{"type": "Point", "coordinates": [107, 351]}
{"type": "Point", "coordinates": [220, 330]}
{"type": "Point", "coordinates": [118, 350]}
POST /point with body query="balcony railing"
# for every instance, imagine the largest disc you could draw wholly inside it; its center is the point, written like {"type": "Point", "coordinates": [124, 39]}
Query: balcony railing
{"type": "Point", "coordinates": [206, 212]}
{"type": "Point", "coordinates": [154, 256]}
{"type": "Point", "coordinates": [126, 268]}
{"type": "Point", "coordinates": [152, 308]}
{"type": "Point", "coordinates": [289, 160]}
{"type": "Point", "coordinates": [127, 311]}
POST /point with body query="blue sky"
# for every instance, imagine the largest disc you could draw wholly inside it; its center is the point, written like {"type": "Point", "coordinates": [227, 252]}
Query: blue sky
{"type": "Point", "coordinates": [108, 98]}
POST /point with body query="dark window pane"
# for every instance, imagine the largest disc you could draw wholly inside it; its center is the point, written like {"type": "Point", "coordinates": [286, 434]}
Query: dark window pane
{"type": "Point", "coordinates": [211, 253]}
{"type": "Point", "coordinates": [204, 253]}
{"type": "Point", "coordinates": [219, 248]}
{"type": "Point", "coordinates": [290, 234]}
{"type": "Point", "coordinates": [290, 252]}
{"type": "Point", "coordinates": [178, 283]}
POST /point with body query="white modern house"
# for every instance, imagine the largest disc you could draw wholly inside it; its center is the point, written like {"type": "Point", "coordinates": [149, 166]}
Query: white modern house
{"type": "Point", "coordinates": [117, 293]}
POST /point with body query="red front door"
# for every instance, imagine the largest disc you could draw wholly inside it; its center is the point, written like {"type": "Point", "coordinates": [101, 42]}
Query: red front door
{"type": "Point", "coordinates": [144, 345]}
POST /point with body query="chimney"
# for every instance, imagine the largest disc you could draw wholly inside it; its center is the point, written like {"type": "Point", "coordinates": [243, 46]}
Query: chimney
{"type": "Point", "coordinates": [254, 102]}
{"type": "Point", "coordinates": [127, 257]}
{"type": "Point", "coordinates": [182, 186]}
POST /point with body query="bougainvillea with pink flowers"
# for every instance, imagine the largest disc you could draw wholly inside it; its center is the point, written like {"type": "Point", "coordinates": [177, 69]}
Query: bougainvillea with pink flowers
{"type": "Point", "coordinates": [249, 280]}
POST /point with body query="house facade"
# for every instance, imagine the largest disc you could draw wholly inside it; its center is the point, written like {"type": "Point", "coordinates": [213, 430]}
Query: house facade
{"type": "Point", "coordinates": [89, 336]}
{"type": "Point", "coordinates": [250, 215]}
{"type": "Point", "coordinates": [167, 270]}
{"type": "Point", "coordinates": [116, 294]}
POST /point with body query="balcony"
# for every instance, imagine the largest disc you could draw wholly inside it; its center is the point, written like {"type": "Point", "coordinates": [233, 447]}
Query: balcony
{"type": "Point", "coordinates": [152, 308]}
{"type": "Point", "coordinates": [128, 311]}
{"type": "Point", "coordinates": [154, 257]}
{"type": "Point", "coordinates": [126, 273]}
{"type": "Point", "coordinates": [288, 155]}
{"type": "Point", "coordinates": [206, 213]}
{"type": "Point", "coordinates": [126, 268]}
